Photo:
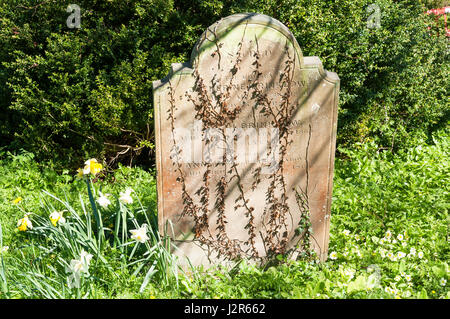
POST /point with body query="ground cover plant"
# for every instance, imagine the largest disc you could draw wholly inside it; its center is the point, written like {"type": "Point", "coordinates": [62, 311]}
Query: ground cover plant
{"type": "Point", "coordinates": [388, 238]}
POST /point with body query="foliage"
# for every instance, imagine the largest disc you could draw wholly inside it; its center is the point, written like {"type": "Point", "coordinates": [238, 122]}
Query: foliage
{"type": "Point", "coordinates": [388, 237]}
{"type": "Point", "coordinates": [39, 261]}
{"type": "Point", "coordinates": [67, 93]}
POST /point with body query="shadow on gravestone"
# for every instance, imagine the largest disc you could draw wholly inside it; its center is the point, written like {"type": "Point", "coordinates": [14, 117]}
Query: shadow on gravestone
{"type": "Point", "coordinates": [245, 143]}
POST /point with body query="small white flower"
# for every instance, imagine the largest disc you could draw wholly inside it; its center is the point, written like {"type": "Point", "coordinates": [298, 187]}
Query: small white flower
{"type": "Point", "coordinates": [333, 255]}
{"type": "Point", "coordinates": [382, 241]}
{"type": "Point", "coordinates": [420, 254]}
{"type": "Point", "coordinates": [443, 281]}
{"type": "Point", "coordinates": [408, 278]}
{"type": "Point", "coordinates": [103, 200]}
{"type": "Point", "coordinates": [394, 241]}
{"type": "Point", "coordinates": [349, 273]}
{"type": "Point", "coordinates": [391, 256]}
{"type": "Point", "coordinates": [4, 249]}
{"type": "Point", "coordinates": [140, 234]}
{"type": "Point", "coordinates": [390, 290]}
{"type": "Point", "coordinates": [346, 232]}
{"type": "Point", "coordinates": [125, 197]}
{"type": "Point", "coordinates": [388, 234]}
{"type": "Point", "coordinates": [400, 254]}
{"type": "Point", "coordinates": [357, 238]}
{"type": "Point", "coordinates": [400, 237]}
{"type": "Point", "coordinates": [397, 278]}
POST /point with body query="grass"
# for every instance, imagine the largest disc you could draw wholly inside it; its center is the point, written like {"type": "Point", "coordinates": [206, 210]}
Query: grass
{"type": "Point", "coordinates": [388, 237]}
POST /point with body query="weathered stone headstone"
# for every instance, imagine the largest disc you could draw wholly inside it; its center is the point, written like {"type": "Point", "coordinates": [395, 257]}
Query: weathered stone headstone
{"type": "Point", "coordinates": [245, 142]}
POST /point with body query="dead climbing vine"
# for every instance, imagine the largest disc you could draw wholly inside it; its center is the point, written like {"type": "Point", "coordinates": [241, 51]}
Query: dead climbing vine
{"type": "Point", "coordinates": [212, 101]}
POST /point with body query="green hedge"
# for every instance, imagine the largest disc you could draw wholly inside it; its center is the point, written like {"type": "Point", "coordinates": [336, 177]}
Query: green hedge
{"type": "Point", "coordinates": [67, 93]}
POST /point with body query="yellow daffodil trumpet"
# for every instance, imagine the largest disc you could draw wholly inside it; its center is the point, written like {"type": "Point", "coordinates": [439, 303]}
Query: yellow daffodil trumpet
{"type": "Point", "coordinates": [91, 166]}
{"type": "Point", "coordinates": [57, 217]}
{"type": "Point", "coordinates": [17, 200]}
{"type": "Point", "coordinates": [24, 223]}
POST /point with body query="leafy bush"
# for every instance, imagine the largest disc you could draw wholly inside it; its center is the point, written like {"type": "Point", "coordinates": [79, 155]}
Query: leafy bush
{"type": "Point", "coordinates": [68, 94]}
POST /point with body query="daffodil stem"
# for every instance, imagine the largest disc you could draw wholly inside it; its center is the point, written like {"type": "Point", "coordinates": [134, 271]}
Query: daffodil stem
{"type": "Point", "coordinates": [3, 281]}
{"type": "Point", "coordinates": [98, 220]}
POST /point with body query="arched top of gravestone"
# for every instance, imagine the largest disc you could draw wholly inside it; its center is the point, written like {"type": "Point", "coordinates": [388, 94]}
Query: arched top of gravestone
{"type": "Point", "coordinates": [230, 29]}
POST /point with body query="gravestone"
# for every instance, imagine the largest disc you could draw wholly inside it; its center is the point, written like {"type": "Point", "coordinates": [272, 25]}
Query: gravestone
{"type": "Point", "coordinates": [245, 143]}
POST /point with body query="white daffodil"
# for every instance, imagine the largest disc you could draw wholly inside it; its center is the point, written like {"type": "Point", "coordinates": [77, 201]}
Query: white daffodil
{"type": "Point", "coordinates": [85, 259]}
{"type": "Point", "coordinates": [81, 264]}
{"type": "Point", "coordinates": [73, 281]}
{"type": "Point", "coordinates": [140, 234]}
{"type": "Point", "coordinates": [103, 200]}
{"type": "Point", "coordinates": [57, 217]}
{"type": "Point", "coordinates": [77, 267]}
{"type": "Point", "coordinates": [125, 197]}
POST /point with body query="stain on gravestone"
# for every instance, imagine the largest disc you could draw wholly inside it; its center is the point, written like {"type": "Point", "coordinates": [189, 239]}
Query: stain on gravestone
{"type": "Point", "coordinates": [245, 140]}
